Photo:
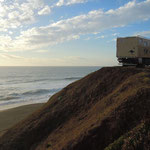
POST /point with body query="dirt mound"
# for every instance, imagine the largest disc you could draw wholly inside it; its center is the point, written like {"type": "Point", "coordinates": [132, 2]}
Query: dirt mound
{"type": "Point", "coordinates": [89, 114]}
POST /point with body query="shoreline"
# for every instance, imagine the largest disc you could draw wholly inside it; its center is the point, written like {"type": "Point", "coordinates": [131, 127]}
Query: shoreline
{"type": "Point", "coordinates": [12, 116]}
{"type": "Point", "coordinates": [13, 106]}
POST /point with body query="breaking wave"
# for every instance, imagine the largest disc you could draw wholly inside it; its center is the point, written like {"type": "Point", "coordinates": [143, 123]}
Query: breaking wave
{"type": "Point", "coordinates": [40, 91]}
{"type": "Point", "coordinates": [30, 93]}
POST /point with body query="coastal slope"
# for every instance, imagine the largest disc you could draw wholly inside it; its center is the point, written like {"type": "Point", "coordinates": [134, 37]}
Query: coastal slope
{"type": "Point", "coordinates": [100, 111]}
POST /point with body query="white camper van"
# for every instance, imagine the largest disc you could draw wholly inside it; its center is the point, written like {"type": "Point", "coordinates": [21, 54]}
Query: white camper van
{"type": "Point", "coordinates": [133, 50]}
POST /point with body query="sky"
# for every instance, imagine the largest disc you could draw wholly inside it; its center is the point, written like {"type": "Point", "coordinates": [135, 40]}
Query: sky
{"type": "Point", "coordinates": [68, 32]}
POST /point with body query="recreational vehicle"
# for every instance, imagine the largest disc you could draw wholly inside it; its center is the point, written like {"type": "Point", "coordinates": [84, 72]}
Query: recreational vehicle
{"type": "Point", "coordinates": [133, 51]}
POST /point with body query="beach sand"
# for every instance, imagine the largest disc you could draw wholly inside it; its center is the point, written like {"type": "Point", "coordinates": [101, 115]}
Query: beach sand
{"type": "Point", "coordinates": [12, 116]}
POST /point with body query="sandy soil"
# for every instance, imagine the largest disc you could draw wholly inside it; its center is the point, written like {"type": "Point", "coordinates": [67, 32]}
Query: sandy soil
{"type": "Point", "coordinates": [12, 116]}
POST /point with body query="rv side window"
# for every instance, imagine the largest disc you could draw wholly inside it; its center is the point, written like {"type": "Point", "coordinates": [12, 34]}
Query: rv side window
{"type": "Point", "coordinates": [140, 41]}
{"type": "Point", "coordinates": [145, 43]}
{"type": "Point", "coordinates": [121, 40]}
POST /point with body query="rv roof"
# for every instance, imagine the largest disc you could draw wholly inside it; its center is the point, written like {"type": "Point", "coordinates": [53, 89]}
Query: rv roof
{"type": "Point", "coordinates": [138, 36]}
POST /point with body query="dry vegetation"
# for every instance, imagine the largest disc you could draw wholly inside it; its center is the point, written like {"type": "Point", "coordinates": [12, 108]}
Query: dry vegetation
{"type": "Point", "coordinates": [136, 139]}
{"type": "Point", "coordinates": [89, 114]}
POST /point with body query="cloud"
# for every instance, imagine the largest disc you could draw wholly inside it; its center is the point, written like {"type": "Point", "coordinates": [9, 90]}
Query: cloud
{"type": "Point", "coordinates": [143, 33]}
{"type": "Point", "coordinates": [42, 51]}
{"type": "Point", "coordinates": [115, 34]}
{"type": "Point", "coordinates": [15, 14]}
{"type": "Point", "coordinates": [9, 59]}
{"type": "Point", "coordinates": [10, 56]}
{"type": "Point", "coordinates": [46, 10]}
{"type": "Point", "coordinates": [88, 38]}
{"type": "Point", "coordinates": [34, 4]}
{"type": "Point", "coordinates": [69, 2]}
{"type": "Point", "coordinates": [100, 37]}
{"type": "Point", "coordinates": [64, 30]}
{"type": "Point", "coordinates": [5, 42]}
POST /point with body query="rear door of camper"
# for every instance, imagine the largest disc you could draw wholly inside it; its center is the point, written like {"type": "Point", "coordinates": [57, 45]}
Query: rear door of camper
{"type": "Point", "coordinates": [127, 47]}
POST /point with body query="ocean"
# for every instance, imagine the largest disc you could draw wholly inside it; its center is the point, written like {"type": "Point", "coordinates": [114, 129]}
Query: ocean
{"type": "Point", "coordinates": [29, 85]}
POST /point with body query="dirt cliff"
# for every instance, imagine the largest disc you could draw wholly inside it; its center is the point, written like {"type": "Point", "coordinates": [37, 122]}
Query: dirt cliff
{"type": "Point", "coordinates": [103, 110]}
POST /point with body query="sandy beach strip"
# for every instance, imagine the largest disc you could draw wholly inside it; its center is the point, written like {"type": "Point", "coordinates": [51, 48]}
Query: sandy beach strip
{"type": "Point", "coordinates": [12, 116]}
